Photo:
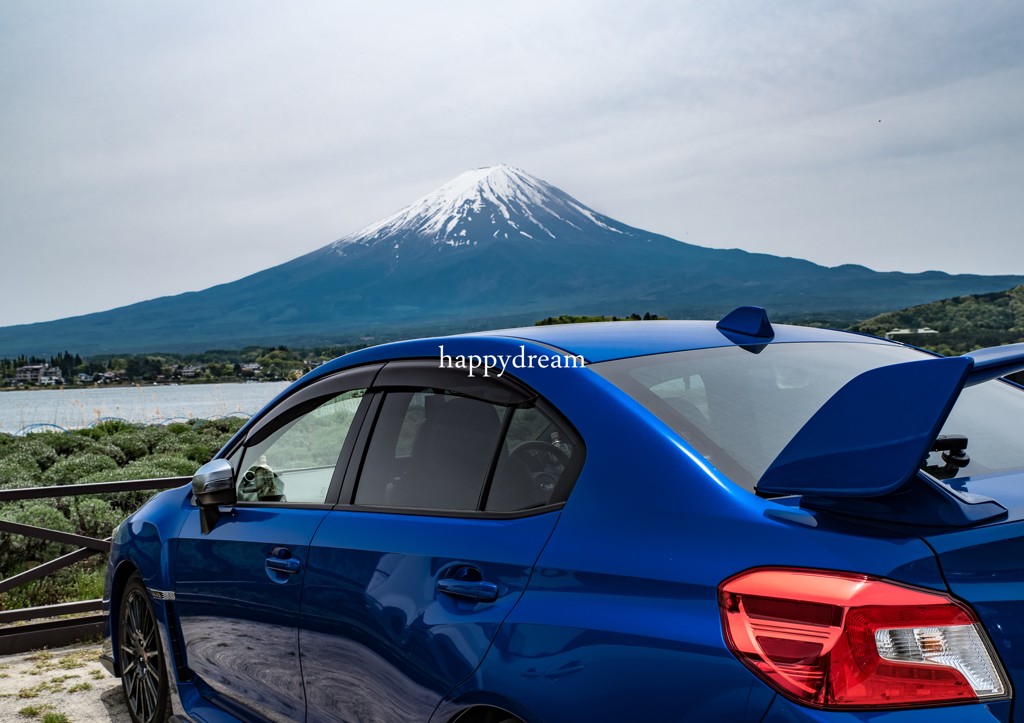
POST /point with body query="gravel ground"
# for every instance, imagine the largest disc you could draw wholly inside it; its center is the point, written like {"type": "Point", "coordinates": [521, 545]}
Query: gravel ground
{"type": "Point", "coordinates": [69, 682]}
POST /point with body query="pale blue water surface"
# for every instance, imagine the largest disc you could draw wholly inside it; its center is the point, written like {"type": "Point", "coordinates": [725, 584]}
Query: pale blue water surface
{"type": "Point", "coordinates": [74, 407]}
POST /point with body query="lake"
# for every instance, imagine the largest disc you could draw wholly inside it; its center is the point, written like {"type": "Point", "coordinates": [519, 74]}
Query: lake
{"type": "Point", "coordinates": [74, 407]}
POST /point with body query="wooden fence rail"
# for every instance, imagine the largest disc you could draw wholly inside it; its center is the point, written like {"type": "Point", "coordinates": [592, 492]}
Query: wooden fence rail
{"type": "Point", "coordinates": [64, 623]}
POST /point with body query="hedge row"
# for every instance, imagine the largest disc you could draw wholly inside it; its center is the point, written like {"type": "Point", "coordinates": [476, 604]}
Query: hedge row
{"type": "Point", "coordinates": [107, 452]}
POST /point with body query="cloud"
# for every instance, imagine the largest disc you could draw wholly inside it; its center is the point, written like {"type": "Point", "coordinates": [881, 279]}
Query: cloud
{"type": "Point", "coordinates": [154, 148]}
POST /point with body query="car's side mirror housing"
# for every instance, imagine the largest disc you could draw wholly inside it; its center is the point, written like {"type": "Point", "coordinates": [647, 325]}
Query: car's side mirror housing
{"type": "Point", "coordinates": [213, 485]}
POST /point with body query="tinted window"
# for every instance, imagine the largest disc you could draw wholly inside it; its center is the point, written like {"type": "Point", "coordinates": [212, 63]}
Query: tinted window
{"type": "Point", "coordinates": [430, 450]}
{"type": "Point", "coordinates": [296, 462]}
{"type": "Point", "coordinates": [738, 408]}
{"type": "Point", "coordinates": [989, 415]}
{"type": "Point", "coordinates": [537, 465]}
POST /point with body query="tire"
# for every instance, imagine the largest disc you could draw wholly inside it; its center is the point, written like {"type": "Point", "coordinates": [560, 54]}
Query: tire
{"type": "Point", "coordinates": [141, 656]}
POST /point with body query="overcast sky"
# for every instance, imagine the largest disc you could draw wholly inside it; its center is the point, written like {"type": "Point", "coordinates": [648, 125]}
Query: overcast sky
{"type": "Point", "coordinates": [152, 148]}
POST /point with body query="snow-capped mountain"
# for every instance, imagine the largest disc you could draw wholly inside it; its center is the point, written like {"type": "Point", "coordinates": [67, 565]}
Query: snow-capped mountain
{"type": "Point", "coordinates": [497, 204]}
{"type": "Point", "coordinates": [493, 247]}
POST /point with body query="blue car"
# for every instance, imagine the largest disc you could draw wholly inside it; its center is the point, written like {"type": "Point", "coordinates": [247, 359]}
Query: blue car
{"type": "Point", "coordinates": [643, 521]}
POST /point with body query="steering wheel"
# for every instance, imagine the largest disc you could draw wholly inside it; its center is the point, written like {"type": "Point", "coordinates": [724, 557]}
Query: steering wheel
{"type": "Point", "coordinates": [543, 460]}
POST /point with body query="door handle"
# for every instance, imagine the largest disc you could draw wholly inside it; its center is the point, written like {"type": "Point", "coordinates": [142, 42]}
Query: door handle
{"type": "Point", "coordinates": [289, 566]}
{"type": "Point", "coordinates": [468, 589]}
{"type": "Point", "coordinates": [281, 560]}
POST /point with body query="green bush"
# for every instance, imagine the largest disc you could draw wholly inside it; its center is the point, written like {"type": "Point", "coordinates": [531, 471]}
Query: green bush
{"type": "Point", "coordinates": [161, 465]}
{"type": "Point", "coordinates": [132, 443]}
{"type": "Point", "coordinates": [18, 552]}
{"type": "Point", "coordinates": [72, 470]}
{"type": "Point", "coordinates": [19, 469]}
{"type": "Point", "coordinates": [94, 516]}
{"type": "Point", "coordinates": [106, 428]}
{"type": "Point", "coordinates": [108, 452]}
{"type": "Point", "coordinates": [43, 454]}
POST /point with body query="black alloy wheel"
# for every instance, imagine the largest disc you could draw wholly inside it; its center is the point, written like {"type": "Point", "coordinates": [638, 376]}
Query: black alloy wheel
{"type": "Point", "coordinates": [143, 672]}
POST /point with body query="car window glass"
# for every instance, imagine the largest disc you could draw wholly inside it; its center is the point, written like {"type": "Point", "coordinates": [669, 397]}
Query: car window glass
{"type": "Point", "coordinates": [296, 462]}
{"type": "Point", "coordinates": [988, 415]}
{"type": "Point", "coordinates": [740, 409]}
{"type": "Point", "coordinates": [430, 450]}
{"type": "Point", "coordinates": [535, 464]}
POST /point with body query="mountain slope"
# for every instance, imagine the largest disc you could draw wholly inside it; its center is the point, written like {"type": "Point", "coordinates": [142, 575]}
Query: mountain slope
{"type": "Point", "coordinates": [495, 246]}
{"type": "Point", "coordinates": [964, 322]}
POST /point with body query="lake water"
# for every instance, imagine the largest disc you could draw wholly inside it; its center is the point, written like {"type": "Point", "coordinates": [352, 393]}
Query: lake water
{"type": "Point", "coordinates": [73, 407]}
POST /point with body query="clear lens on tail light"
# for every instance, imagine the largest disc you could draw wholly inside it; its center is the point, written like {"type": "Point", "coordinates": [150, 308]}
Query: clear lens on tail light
{"type": "Point", "coordinates": [840, 640]}
{"type": "Point", "coordinates": [961, 647]}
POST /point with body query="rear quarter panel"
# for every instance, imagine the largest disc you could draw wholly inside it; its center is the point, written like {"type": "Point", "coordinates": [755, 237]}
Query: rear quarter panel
{"type": "Point", "coordinates": [620, 620]}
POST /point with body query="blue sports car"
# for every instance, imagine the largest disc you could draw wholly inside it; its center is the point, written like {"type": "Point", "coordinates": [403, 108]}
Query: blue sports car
{"type": "Point", "coordinates": [643, 521]}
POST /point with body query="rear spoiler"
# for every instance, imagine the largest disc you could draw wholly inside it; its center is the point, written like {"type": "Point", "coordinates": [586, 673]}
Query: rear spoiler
{"type": "Point", "coordinates": [996, 361]}
{"type": "Point", "coordinates": [869, 439]}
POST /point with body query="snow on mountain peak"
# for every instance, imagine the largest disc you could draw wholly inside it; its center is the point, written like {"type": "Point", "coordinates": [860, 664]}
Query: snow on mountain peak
{"type": "Point", "coordinates": [493, 203]}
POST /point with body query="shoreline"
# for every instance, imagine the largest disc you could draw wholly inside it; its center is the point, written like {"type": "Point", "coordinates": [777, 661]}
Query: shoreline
{"type": "Point", "coordinates": [139, 385]}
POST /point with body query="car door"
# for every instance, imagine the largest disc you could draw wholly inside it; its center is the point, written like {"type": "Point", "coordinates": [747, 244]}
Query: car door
{"type": "Point", "coordinates": [411, 575]}
{"type": "Point", "coordinates": [237, 587]}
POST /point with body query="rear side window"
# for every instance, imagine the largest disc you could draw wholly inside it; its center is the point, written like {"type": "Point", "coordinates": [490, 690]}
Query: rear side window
{"type": "Point", "coordinates": [536, 465]}
{"type": "Point", "coordinates": [441, 451]}
{"type": "Point", "coordinates": [430, 450]}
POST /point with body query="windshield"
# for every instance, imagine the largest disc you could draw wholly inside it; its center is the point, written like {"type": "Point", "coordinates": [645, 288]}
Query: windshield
{"type": "Point", "coordinates": [740, 409]}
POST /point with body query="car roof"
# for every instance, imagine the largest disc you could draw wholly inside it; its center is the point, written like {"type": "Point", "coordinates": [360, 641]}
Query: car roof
{"type": "Point", "coordinates": [605, 341]}
{"type": "Point", "coordinates": [595, 342]}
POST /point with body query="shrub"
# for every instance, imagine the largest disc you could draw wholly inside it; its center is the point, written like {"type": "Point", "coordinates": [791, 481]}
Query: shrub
{"type": "Point", "coordinates": [19, 469]}
{"type": "Point", "coordinates": [36, 447]}
{"type": "Point", "coordinates": [108, 452]}
{"type": "Point", "coordinates": [132, 443]}
{"type": "Point", "coordinates": [18, 551]}
{"type": "Point", "coordinates": [94, 516]}
{"type": "Point", "coordinates": [72, 470]}
{"type": "Point", "coordinates": [161, 465]}
{"type": "Point", "coordinates": [68, 444]}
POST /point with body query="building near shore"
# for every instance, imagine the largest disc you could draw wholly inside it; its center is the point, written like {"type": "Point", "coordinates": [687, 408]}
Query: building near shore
{"type": "Point", "coordinates": [41, 374]}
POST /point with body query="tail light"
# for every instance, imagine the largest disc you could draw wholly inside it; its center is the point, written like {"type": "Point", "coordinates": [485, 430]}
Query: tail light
{"type": "Point", "coordinates": [839, 640]}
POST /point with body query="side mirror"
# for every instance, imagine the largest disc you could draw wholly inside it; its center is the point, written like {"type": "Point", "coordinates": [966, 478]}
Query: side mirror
{"type": "Point", "coordinates": [213, 485]}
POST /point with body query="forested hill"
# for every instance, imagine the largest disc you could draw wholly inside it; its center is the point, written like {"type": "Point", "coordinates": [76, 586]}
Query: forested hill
{"type": "Point", "coordinates": [963, 322]}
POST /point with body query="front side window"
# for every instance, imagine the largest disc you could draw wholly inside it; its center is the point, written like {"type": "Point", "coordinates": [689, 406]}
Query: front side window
{"type": "Point", "coordinates": [296, 462]}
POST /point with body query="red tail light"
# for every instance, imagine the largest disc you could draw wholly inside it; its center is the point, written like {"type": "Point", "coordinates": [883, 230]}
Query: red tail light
{"type": "Point", "coordinates": [839, 640]}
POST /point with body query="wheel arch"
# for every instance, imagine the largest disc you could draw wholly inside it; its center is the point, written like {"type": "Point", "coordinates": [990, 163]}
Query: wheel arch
{"type": "Point", "coordinates": [484, 713]}
{"type": "Point", "coordinates": [122, 573]}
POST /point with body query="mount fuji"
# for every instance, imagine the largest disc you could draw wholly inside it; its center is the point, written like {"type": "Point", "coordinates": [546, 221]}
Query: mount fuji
{"type": "Point", "coordinates": [495, 246]}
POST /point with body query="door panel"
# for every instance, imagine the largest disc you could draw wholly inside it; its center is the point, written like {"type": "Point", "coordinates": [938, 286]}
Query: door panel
{"type": "Point", "coordinates": [379, 639]}
{"type": "Point", "coordinates": [237, 597]}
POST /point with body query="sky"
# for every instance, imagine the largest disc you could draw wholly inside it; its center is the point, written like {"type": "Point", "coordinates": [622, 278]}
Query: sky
{"type": "Point", "coordinates": [148, 149]}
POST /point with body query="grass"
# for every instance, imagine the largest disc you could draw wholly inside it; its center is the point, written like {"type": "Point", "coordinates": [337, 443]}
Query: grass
{"type": "Point", "coordinates": [76, 660]}
{"type": "Point", "coordinates": [54, 685]}
{"type": "Point", "coordinates": [55, 718]}
{"type": "Point", "coordinates": [35, 710]}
